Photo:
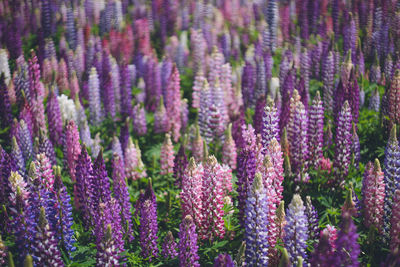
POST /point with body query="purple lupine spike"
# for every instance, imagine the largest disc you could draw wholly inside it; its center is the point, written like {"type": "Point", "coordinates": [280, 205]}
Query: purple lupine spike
{"type": "Point", "coordinates": [350, 37]}
{"type": "Point", "coordinates": [374, 101]}
{"type": "Point", "coordinates": [122, 196]}
{"type": "Point", "coordinates": [296, 229]}
{"type": "Point", "coordinates": [305, 67]}
{"type": "Point", "coordinates": [180, 164]}
{"type": "Point", "coordinates": [108, 96]}
{"type": "Point", "coordinates": [248, 81]}
{"type": "Point", "coordinates": [229, 153]}
{"type": "Point", "coordinates": [47, 19]}
{"type": "Point", "coordinates": [101, 183]}
{"type": "Point", "coordinates": [341, 163]}
{"type": "Point", "coordinates": [17, 156]}
{"type": "Point", "coordinates": [270, 122]}
{"type": "Point", "coordinates": [312, 216]}
{"type": "Point", "coordinates": [223, 260]}
{"type": "Point", "coordinates": [46, 147]}
{"type": "Point", "coordinates": [27, 116]}
{"type": "Point", "coordinates": [215, 122]}
{"type": "Point", "coordinates": [116, 147]}
{"type": "Point", "coordinates": [316, 130]}
{"type": "Point", "coordinates": [347, 248]}
{"type": "Point", "coordinates": [45, 250]}
{"type": "Point", "coordinates": [94, 97]}
{"type": "Point", "coordinates": [139, 120]}
{"type": "Point", "coordinates": [161, 120]}
{"type": "Point", "coordinates": [394, 231]}
{"type": "Point", "coordinates": [304, 95]}
{"type": "Point", "coordinates": [323, 251]}
{"type": "Point", "coordinates": [256, 224]}
{"type": "Point", "coordinates": [360, 58]}
{"type": "Point", "coordinates": [25, 140]}
{"type": "Point", "coordinates": [261, 80]}
{"type": "Point", "coordinates": [354, 96]}
{"type": "Point", "coordinates": [286, 92]}
{"type": "Point", "coordinates": [72, 148]}
{"type": "Point", "coordinates": [5, 106]}
{"type": "Point", "coordinates": [148, 230]}
{"type": "Point", "coordinates": [246, 168]}
{"type": "Point", "coordinates": [187, 247]}
{"type": "Point", "coordinates": [184, 113]}
{"type": "Point", "coordinates": [391, 174]}
{"type": "Point", "coordinates": [64, 232]}
{"type": "Point", "coordinates": [169, 247]}
{"type": "Point", "coordinates": [355, 146]}
{"type": "Point", "coordinates": [106, 252]}
{"type": "Point", "coordinates": [126, 94]}
{"type": "Point", "coordinates": [392, 96]}
{"type": "Point", "coordinates": [54, 119]}
{"type": "Point", "coordinates": [297, 137]}
{"type": "Point", "coordinates": [258, 114]}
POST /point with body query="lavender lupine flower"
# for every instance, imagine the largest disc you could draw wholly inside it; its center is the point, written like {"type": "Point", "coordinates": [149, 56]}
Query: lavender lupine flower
{"type": "Point", "coordinates": [197, 86]}
{"type": "Point", "coordinates": [212, 200]}
{"type": "Point", "coordinates": [256, 224]}
{"type": "Point", "coordinates": [246, 168]}
{"type": "Point", "coordinates": [167, 156]}
{"type": "Point", "coordinates": [148, 230]}
{"type": "Point", "coordinates": [204, 113]}
{"type": "Point", "coordinates": [180, 164]}
{"type": "Point", "coordinates": [5, 106]}
{"type": "Point", "coordinates": [94, 97]}
{"type": "Point", "coordinates": [187, 247]}
{"type": "Point", "coordinates": [341, 163]}
{"type": "Point", "coordinates": [272, 17]}
{"type": "Point", "coordinates": [374, 101]}
{"type": "Point", "coordinates": [72, 148]}
{"type": "Point", "coordinates": [139, 120]}
{"type": "Point", "coordinates": [191, 194]}
{"type": "Point", "coordinates": [161, 120]}
{"type": "Point", "coordinates": [223, 260]}
{"type": "Point", "coordinates": [17, 156]}
{"type": "Point", "coordinates": [312, 216]}
{"type": "Point", "coordinates": [25, 140]}
{"type": "Point", "coordinates": [373, 195]}
{"type": "Point", "coordinates": [391, 174]}
{"type": "Point", "coordinates": [347, 248]}
{"type": "Point", "coordinates": [46, 147]}
{"type": "Point", "coordinates": [355, 146]}
{"type": "Point", "coordinates": [122, 196]}
{"type": "Point", "coordinates": [270, 122]}
{"type": "Point", "coordinates": [108, 95]}
{"type": "Point", "coordinates": [229, 149]}
{"type": "Point", "coordinates": [169, 247]}
{"type": "Point", "coordinates": [45, 250]}
{"type": "Point", "coordinates": [54, 119]}
{"type": "Point", "coordinates": [126, 92]}
{"type": "Point", "coordinates": [297, 137]}
{"type": "Point", "coordinates": [316, 130]}
{"type": "Point", "coordinates": [296, 229]}
{"type": "Point", "coordinates": [248, 81]}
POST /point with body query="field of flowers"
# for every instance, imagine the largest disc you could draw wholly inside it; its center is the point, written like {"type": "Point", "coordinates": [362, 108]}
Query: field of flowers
{"type": "Point", "coordinates": [199, 133]}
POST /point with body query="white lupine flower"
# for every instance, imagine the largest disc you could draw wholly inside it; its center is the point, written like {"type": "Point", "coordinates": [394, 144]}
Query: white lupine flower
{"type": "Point", "coordinates": [67, 108]}
{"type": "Point", "coordinates": [4, 67]}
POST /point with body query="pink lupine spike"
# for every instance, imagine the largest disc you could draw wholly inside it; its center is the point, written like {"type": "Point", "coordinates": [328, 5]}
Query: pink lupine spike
{"type": "Point", "coordinates": [229, 149]}
{"type": "Point", "coordinates": [131, 160]}
{"type": "Point", "coordinates": [167, 156]}
{"type": "Point", "coordinates": [72, 148]}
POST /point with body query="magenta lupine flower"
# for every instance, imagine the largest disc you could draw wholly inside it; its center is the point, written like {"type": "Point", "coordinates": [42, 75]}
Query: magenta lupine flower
{"type": "Point", "coordinates": [373, 195]}
{"type": "Point", "coordinates": [393, 95]}
{"type": "Point", "coordinates": [395, 229]}
{"type": "Point", "coordinates": [72, 148]}
{"type": "Point", "coordinates": [197, 86]}
{"type": "Point", "coordinates": [161, 120]}
{"type": "Point", "coordinates": [199, 47]}
{"type": "Point", "coordinates": [45, 250]}
{"type": "Point", "coordinates": [184, 113]}
{"type": "Point", "coordinates": [270, 122]}
{"type": "Point", "coordinates": [296, 229]}
{"type": "Point", "coordinates": [229, 149]}
{"type": "Point", "coordinates": [213, 225]}
{"type": "Point", "coordinates": [148, 230]}
{"type": "Point", "coordinates": [167, 156]}
{"type": "Point", "coordinates": [275, 153]}
{"type": "Point", "coordinates": [94, 97]}
{"type": "Point", "coordinates": [26, 116]}
{"type": "Point", "coordinates": [256, 224]}
{"type": "Point", "coordinates": [191, 194]}
{"type": "Point", "coordinates": [139, 120]}
{"type": "Point", "coordinates": [54, 119]}
{"type": "Point", "coordinates": [297, 137]}
{"type": "Point", "coordinates": [187, 247]}
{"type": "Point", "coordinates": [341, 163]}
{"type": "Point", "coordinates": [122, 195]}
{"type": "Point", "coordinates": [173, 103]}
{"type": "Point", "coordinates": [316, 130]}
{"type": "Point", "coordinates": [347, 248]}
{"type": "Point", "coordinates": [197, 145]}
{"type": "Point", "coordinates": [325, 164]}
{"type": "Point", "coordinates": [180, 164]}
{"type": "Point", "coordinates": [328, 78]}
{"type": "Point", "coordinates": [169, 247]}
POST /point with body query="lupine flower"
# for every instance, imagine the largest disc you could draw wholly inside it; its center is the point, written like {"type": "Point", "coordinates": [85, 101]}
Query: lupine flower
{"type": "Point", "coordinates": [347, 248]}
{"type": "Point", "coordinates": [316, 130]}
{"type": "Point", "coordinates": [223, 260]}
{"type": "Point", "coordinates": [270, 121]}
{"type": "Point", "coordinates": [72, 148]}
{"type": "Point", "coordinates": [173, 103]}
{"type": "Point", "coordinates": [106, 252]}
{"type": "Point", "coordinates": [229, 149]}
{"type": "Point", "coordinates": [169, 247]}
{"type": "Point", "coordinates": [323, 251]}
{"type": "Point", "coordinates": [94, 97]}
{"type": "Point", "coordinates": [4, 67]}
{"type": "Point", "coordinates": [108, 96]}
{"type": "Point", "coordinates": [180, 164]}
{"type": "Point", "coordinates": [17, 156]}
{"type": "Point", "coordinates": [148, 230]}
{"type": "Point", "coordinates": [341, 163]}
{"type": "Point", "coordinates": [395, 230]}
{"type": "Point", "coordinates": [272, 17]}
{"type": "Point", "coordinates": [46, 147]}
{"type": "Point", "coordinates": [161, 120]}
{"type": "Point", "coordinates": [258, 114]}
{"type": "Point", "coordinates": [393, 94]}
{"type": "Point", "coordinates": [25, 140]}
{"type": "Point", "coordinates": [45, 250]}
{"type": "Point", "coordinates": [296, 229]}
{"type": "Point", "coordinates": [312, 217]}
{"type": "Point", "coordinates": [197, 145]}
{"type": "Point", "coordinates": [5, 106]}
{"type": "Point", "coordinates": [204, 113]}
{"type": "Point", "coordinates": [212, 200]}
{"type": "Point", "coordinates": [374, 101]}
{"type": "Point", "coordinates": [187, 247]}
{"type": "Point", "coordinates": [85, 134]}
{"type": "Point", "coordinates": [131, 160]}
{"type": "Point", "coordinates": [197, 86]}
{"type": "Point", "coordinates": [256, 224]}
{"type": "Point", "coordinates": [67, 109]}
{"type": "Point", "coordinates": [167, 156]}
{"type": "Point", "coordinates": [139, 120]}
{"type": "Point", "coordinates": [191, 196]}
{"type": "Point", "coordinates": [101, 183]}
{"type": "Point", "coordinates": [54, 119]}
{"type": "Point", "coordinates": [391, 174]}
